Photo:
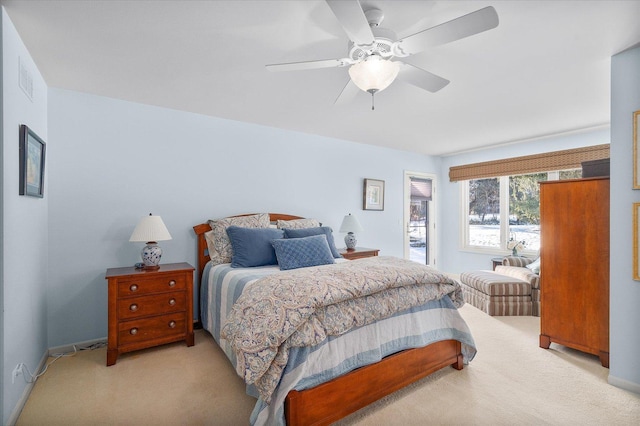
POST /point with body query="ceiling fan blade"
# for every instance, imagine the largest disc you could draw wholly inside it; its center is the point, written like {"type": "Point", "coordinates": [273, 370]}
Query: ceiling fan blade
{"type": "Point", "coordinates": [349, 92]}
{"type": "Point", "coordinates": [353, 20]}
{"type": "Point", "coordinates": [309, 65]}
{"type": "Point", "coordinates": [421, 78]}
{"type": "Point", "coordinates": [456, 29]}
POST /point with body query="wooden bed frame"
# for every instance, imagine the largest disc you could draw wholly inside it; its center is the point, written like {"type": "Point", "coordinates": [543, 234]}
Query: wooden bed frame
{"type": "Point", "coordinates": [333, 400]}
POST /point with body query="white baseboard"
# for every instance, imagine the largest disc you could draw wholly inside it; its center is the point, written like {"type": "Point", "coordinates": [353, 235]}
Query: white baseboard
{"type": "Point", "coordinates": [69, 348]}
{"type": "Point", "coordinates": [15, 414]}
{"type": "Point", "coordinates": [624, 384]}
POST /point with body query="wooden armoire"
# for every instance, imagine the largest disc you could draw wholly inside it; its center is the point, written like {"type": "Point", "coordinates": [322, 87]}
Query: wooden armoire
{"type": "Point", "coordinates": [574, 265]}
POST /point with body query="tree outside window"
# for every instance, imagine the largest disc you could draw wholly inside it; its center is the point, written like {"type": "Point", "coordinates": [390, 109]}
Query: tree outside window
{"type": "Point", "coordinates": [484, 212]}
{"type": "Point", "coordinates": [492, 223]}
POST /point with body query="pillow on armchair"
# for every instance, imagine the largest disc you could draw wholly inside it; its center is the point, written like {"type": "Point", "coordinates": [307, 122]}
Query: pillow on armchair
{"type": "Point", "coordinates": [534, 266]}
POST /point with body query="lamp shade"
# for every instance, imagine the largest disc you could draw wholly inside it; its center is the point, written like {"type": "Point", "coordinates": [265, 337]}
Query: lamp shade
{"type": "Point", "coordinates": [150, 228]}
{"type": "Point", "coordinates": [350, 224]}
{"type": "Point", "coordinates": [374, 73]}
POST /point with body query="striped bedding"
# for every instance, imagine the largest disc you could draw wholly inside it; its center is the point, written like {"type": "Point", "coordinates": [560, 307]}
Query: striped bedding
{"type": "Point", "coordinates": [335, 355]}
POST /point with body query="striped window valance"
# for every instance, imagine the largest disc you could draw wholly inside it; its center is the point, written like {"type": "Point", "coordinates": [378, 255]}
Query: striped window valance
{"type": "Point", "coordinates": [550, 161]}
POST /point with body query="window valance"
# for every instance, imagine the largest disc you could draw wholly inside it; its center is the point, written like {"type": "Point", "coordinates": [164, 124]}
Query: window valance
{"type": "Point", "coordinates": [550, 161]}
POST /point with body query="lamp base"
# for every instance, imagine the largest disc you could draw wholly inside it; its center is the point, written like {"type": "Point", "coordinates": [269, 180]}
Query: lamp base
{"type": "Point", "coordinates": [151, 255]}
{"type": "Point", "coordinates": [151, 267]}
{"type": "Point", "coordinates": [350, 241]}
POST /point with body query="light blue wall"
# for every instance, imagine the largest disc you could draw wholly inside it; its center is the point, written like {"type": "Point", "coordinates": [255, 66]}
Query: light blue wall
{"type": "Point", "coordinates": [625, 292]}
{"type": "Point", "coordinates": [117, 161]}
{"type": "Point", "coordinates": [110, 162]}
{"type": "Point", "coordinates": [457, 260]}
{"type": "Point", "coordinates": [1, 222]}
{"type": "Point", "coordinates": [24, 225]}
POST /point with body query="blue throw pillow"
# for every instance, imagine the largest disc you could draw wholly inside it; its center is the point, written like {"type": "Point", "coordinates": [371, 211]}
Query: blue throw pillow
{"type": "Point", "coordinates": [308, 232]}
{"type": "Point", "coordinates": [293, 253]}
{"type": "Point", "coordinates": [252, 246]}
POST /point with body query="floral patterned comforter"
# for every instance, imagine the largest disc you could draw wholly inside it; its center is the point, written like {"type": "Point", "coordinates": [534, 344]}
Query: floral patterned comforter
{"type": "Point", "coordinates": [303, 306]}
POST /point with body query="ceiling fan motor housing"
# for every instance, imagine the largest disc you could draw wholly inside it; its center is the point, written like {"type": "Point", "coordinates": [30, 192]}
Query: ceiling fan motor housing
{"type": "Point", "coordinates": [382, 45]}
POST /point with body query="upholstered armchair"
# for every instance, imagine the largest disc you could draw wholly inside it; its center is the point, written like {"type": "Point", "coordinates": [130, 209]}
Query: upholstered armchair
{"type": "Point", "coordinates": [525, 269]}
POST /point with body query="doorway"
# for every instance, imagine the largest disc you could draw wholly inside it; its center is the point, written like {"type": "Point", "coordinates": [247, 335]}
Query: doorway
{"type": "Point", "coordinates": [419, 220]}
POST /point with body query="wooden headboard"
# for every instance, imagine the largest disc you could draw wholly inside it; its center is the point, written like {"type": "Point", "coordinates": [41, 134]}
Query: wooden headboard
{"type": "Point", "coordinates": [203, 250]}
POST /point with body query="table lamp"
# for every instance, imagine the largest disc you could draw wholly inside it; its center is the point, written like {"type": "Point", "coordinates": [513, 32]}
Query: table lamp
{"type": "Point", "coordinates": [150, 229]}
{"type": "Point", "coordinates": [350, 225]}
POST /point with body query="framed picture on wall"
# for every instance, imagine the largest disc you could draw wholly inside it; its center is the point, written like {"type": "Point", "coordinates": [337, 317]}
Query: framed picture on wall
{"type": "Point", "coordinates": [32, 155]}
{"type": "Point", "coordinates": [636, 150]}
{"type": "Point", "coordinates": [636, 243]}
{"type": "Point", "coordinates": [373, 194]}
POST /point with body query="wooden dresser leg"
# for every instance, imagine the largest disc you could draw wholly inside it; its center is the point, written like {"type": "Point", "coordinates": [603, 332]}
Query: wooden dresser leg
{"type": "Point", "coordinates": [545, 341]}
{"type": "Point", "coordinates": [604, 359]}
{"type": "Point", "coordinates": [112, 356]}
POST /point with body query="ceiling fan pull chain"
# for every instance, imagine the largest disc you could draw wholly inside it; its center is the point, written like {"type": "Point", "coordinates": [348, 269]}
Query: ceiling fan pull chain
{"type": "Point", "coordinates": [372, 101]}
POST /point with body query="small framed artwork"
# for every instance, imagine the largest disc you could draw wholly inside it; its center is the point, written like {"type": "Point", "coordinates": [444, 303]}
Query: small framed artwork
{"type": "Point", "coordinates": [636, 150]}
{"type": "Point", "coordinates": [373, 194]}
{"type": "Point", "coordinates": [636, 243]}
{"type": "Point", "coordinates": [32, 154]}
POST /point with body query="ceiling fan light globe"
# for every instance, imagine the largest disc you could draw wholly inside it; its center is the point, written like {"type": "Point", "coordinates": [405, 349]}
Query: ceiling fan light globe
{"type": "Point", "coordinates": [374, 73]}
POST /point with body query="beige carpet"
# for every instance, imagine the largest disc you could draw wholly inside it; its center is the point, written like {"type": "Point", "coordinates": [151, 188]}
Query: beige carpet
{"type": "Point", "coordinates": [510, 382]}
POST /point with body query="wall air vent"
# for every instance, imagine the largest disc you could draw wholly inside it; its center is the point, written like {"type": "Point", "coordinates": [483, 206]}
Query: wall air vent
{"type": "Point", "coordinates": [25, 79]}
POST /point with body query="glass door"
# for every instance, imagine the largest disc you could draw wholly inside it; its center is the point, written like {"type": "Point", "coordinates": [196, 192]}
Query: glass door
{"type": "Point", "coordinates": [419, 223]}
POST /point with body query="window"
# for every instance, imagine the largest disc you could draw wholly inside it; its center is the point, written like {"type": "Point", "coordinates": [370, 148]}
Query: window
{"type": "Point", "coordinates": [506, 208]}
{"type": "Point", "coordinates": [524, 209]}
{"type": "Point", "coordinates": [484, 212]}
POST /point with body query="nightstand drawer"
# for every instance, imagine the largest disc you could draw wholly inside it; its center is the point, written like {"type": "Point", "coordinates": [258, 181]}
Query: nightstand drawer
{"type": "Point", "coordinates": [146, 285]}
{"type": "Point", "coordinates": [130, 332]}
{"type": "Point", "coordinates": [164, 303]}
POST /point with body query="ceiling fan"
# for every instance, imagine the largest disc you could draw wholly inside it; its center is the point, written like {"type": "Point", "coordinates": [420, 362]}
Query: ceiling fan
{"type": "Point", "coordinates": [375, 56]}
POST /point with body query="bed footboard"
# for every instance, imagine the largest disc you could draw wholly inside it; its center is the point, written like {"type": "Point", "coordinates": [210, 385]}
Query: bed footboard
{"type": "Point", "coordinates": [346, 394]}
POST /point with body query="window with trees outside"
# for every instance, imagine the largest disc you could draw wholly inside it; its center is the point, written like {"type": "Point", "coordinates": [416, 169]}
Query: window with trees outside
{"type": "Point", "coordinates": [503, 212]}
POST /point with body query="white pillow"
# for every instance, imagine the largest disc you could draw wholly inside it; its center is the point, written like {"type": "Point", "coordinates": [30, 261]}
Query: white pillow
{"type": "Point", "coordinates": [534, 266]}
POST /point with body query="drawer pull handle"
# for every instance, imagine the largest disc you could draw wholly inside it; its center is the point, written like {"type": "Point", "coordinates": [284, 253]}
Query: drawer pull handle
{"type": "Point", "coordinates": [172, 302]}
{"type": "Point", "coordinates": [133, 307]}
{"type": "Point", "coordinates": [172, 283]}
{"type": "Point", "coordinates": [172, 324]}
{"type": "Point", "coordinates": [133, 287]}
{"type": "Point", "coordinates": [133, 331]}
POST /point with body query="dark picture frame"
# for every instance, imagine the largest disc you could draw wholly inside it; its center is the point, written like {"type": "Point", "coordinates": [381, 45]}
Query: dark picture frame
{"type": "Point", "coordinates": [636, 242]}
{"type": "Point", "coordinates": [32, 160]}
{"type": "Point", "coordinates": [373, 194]}
{"type": "Point", "coordinates": [636, 150]}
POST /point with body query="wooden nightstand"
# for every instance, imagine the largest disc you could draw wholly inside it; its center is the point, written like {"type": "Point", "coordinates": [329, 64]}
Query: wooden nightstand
{"type": "Point", "coordinates": [358, 253]}
{"type": "Point", "coordinates": [149, 308]}
{"type": "Point", "coordinates": [496, 261]}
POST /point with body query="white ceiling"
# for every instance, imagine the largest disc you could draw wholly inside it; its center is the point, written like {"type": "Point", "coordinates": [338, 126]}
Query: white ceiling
{"type": "Point", "coordinates": [544, 70]}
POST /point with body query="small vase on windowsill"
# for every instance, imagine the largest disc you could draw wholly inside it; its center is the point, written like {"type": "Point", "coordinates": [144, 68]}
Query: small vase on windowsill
{"type": "Point", "coordinates": [514, 252]}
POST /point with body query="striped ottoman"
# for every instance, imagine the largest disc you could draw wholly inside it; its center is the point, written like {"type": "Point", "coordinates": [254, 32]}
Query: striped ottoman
{"type": "Point", "coordinates": [497, 295]}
